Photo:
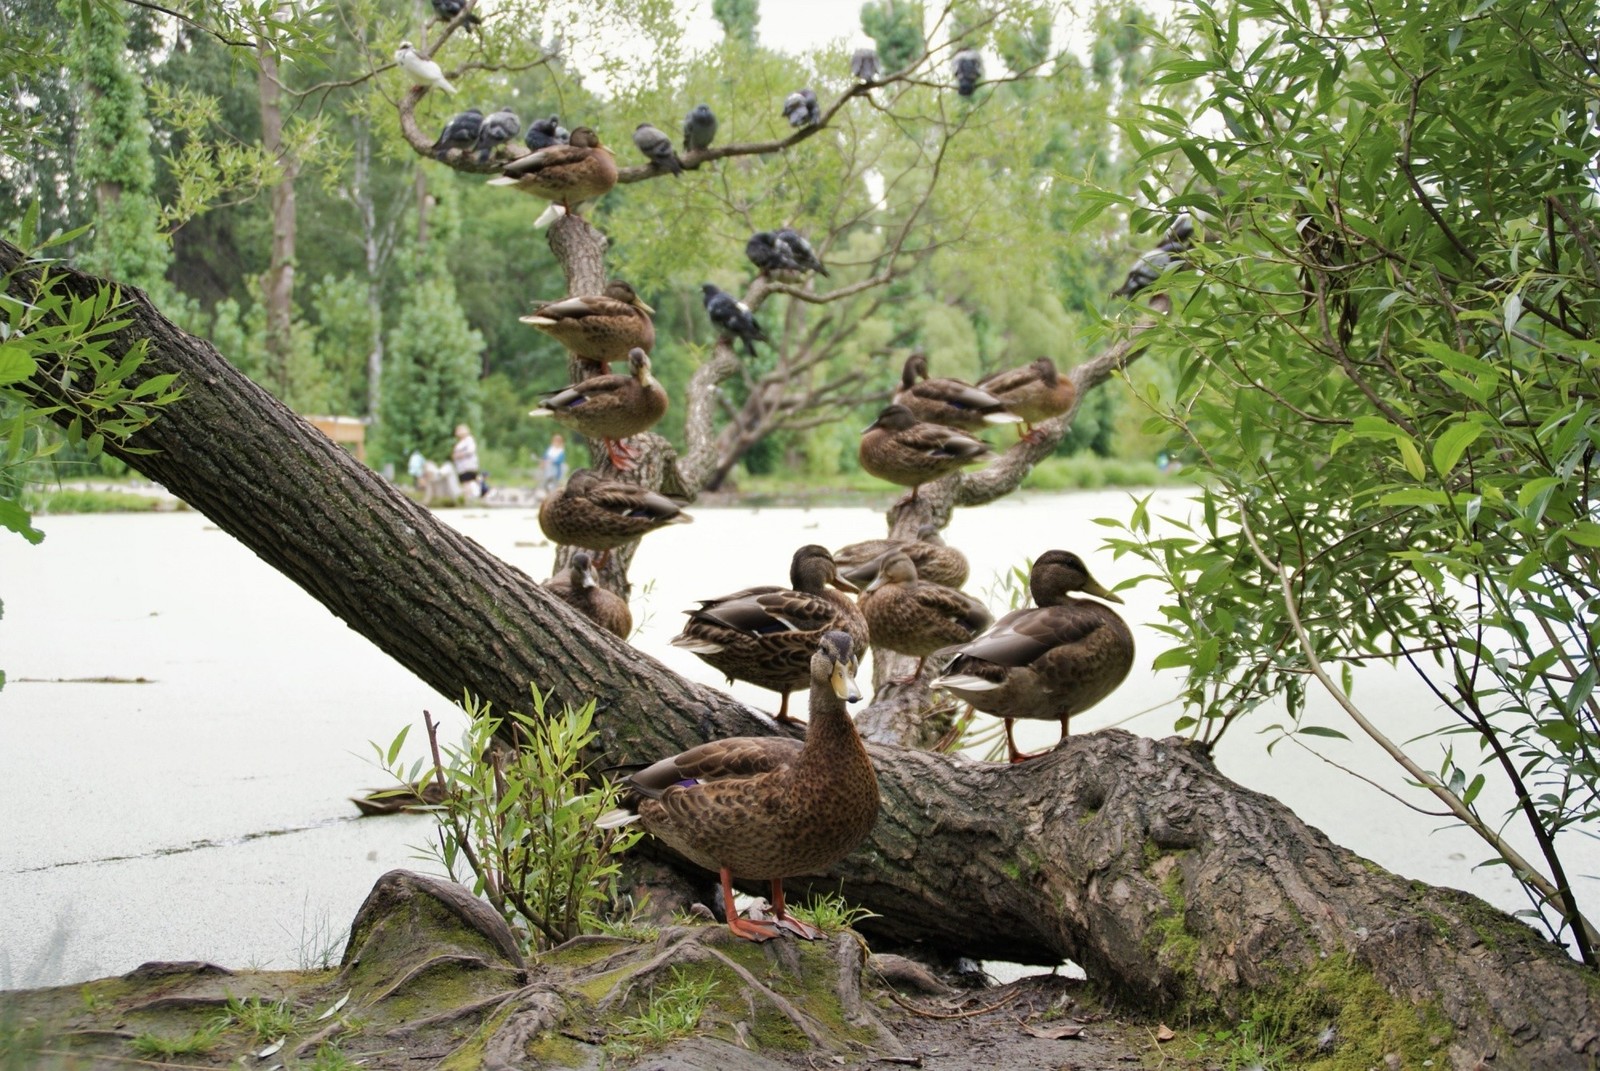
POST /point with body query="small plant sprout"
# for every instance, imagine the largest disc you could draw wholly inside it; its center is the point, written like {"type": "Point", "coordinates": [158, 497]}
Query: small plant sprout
{"type": "Point", "coordinates": [831, 912]}
{"type": "Point", "coordinates": [672, 1011]}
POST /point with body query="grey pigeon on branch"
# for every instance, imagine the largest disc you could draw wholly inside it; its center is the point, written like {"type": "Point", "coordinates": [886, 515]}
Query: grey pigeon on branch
{"type": "Point", "coordinates": [864, 64]}
{"type": "Point", "coordinates": [733, 317]}
{"type": "Point", "coordinates": [461, 132]}
{"type": "Point", "coordinates": [657, 148]}
{"type": "Point", "coordinates": [498, 128]}
{"type": "Point", "coordinates": [447, 10]}
{"type": "Point", "coordinates": [543, 133]}
{"type": "Point", "coordinates": [699, 128]}
{"type": "Point", "coordinates": [1169, 251]}
{"type": "Point", "coordinates": [801, 108]}
{"type": "Point", "coordinates": [968, 67]}
{"type": "Point", "coordinates": [769, 254]}
{"type": "Point", "coordinates": [800, 251]}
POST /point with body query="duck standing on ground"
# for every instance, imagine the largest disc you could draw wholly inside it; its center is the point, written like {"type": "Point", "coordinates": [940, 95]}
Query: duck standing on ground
{"type": "Point", "coordinates": [951, 402]}
{"type": "Point", "coordinates": [1035, 392]}
{"type": "Point", "coordinates": [602, 327]}
{"type": "Point", "coordinates": [918, 617]}
{"type": "Point", "coordinates": [610, 407]}
{"type": "Point", "coordinates": [580, 588]}
{"type": "Point", "coordinates": [602, 514]}
{"type": "Point", "coordinates": [767, 807]}
{"type": "Point", "coordinates": [902, 449]}
{"type": "Point", "coordinates": [1050, 662]}
{"type": "Point", "coordinates": [764, 635]}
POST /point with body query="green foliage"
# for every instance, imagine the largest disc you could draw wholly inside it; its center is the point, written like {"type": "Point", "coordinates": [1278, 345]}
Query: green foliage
{"type": "Point", "coordinates": [266, 1021]}
{"type": "Point", "coordinates": [160, 1047]}
{"type": "Point", "coordinates": [1386, 373]}
{"type": "Point", "coordinates": [518, 823]}
{"type": "Point", "coordinates": [830, 912]}
{"type": "Point", "coordinates": [738, 18]}
{"type": "Point", "coordinates": [431, 382]}
{"type": "Point", "coordinates": [670, 1012]}
{"type": "Point", "coordinates": [896, 26]}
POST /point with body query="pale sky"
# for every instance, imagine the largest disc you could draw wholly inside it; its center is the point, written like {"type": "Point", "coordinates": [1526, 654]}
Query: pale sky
{"type": "Point", "coordinates": [786, 25]}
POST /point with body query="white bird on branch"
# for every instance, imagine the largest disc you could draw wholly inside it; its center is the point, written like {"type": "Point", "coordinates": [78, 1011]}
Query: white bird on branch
{"type": "Point", "coordinates": [425, 71]}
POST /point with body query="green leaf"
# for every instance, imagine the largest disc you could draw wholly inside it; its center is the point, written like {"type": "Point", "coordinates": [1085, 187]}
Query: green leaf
{"type": "Point", "coordinates": [1449, 447]}
{"type": "Point", "coordinates": [1411, 457]}
{"type": "Point", "coordinates": [1583, 533]}
{"type": "Point", "coordinates": [15, 518]}
{"type": "Point", "coordinates": [1321, 730]}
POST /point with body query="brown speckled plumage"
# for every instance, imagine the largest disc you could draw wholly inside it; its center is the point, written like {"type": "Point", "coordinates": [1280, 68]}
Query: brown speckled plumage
{"type": "Point", "coordinates": [769, 807]}
{"type": "Point", "coordinates": [602, 327]}
{"type": "Point", "coordinates": [566, 174]}
{"type": "Point", "coordinates": [917, 617]}
{"type": "Point", "coordinates": [937, 562]}
{"type": "Point", "coordinates": [766, 635]}
{"type": "Point", "coordinates": [603, 514]}
{"type": "Point", "coordinates": [902, 449]}
{"type": "Point", "coordinates": [610, 407]}
{"type": "Point", "coordinates": [951, 402]}
{"type": "Point", "coordinates": [1050, 662]}
{"type": "Point", "coordinates": [580, 589]}
{"type": "Point", "coordinates": [1035, 392]}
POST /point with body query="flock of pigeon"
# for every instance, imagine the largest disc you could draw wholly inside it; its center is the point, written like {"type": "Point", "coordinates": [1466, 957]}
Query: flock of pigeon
{"type": "Point", "coordinates": [768, 807]}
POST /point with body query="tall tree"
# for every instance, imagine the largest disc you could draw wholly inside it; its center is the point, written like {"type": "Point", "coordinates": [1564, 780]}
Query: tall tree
{"type": "Point", "coordinates": [277, 285]}
{"type": "Point", "coordinates": [896, 25]}
{"type": "Point", "coordinates": [739, 19]}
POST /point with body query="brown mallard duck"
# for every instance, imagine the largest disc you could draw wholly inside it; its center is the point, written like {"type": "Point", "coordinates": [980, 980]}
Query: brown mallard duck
{"type": "Point", "coordinates": [767, 807]}
{"type": "Point", "coordinates": [610, 407]}
{"type": "Point", "coordinates": [918, 617]}
{"type": "Point", "coordinates": [603, 514]}
{"type": "Point", "coordinates": [580, 589]}
{"type": "Point", "coordinates": [765, 635]}
{"type": "Point", "coordinates": [950, 402]}
{"type": "Point", "coordinates": [935, 560]}
{"type": "Point", "coordinates": [902, 449]}
{"type": "Point", "coordinates": [1050, 662]}
{"type": "Point", "coordinates": [1035, 392]}
{"type": "Point", "coordinates": [566, 174]}
{"type": "Point", "coordinates": [601, 328]}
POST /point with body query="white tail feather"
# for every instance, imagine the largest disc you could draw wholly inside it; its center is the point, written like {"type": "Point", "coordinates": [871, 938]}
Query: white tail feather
{"type": "Point", "coordinates": [615, 818]}
{"type": "Point", "coordinates": [689, 643]}
{"type": "Point", "coordinates": [1002, 418]}
{"type": "Point", "coordinates": [549, 215]}
{"type": "Point", "coordinates": [966, 682]}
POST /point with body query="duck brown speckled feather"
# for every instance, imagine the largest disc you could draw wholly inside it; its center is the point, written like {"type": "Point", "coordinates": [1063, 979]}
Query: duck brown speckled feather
{"type": "Point", "coordinates": [767, 807]}
{"type": "Point", "coordinates": [935, 560]}
{"type": "Point", "coordinates": [580, 589]}
{"type": "Point", "coordinates": [604, 514]}
{"type": "Point", "coordinates": [1049, 662]}
{"type": "Point", "coordinates": [918, 617]}
{"type": "Point", "coordinates": [610, 407]}
{"type": "Point", "coordinates": [902, 449]}
{"type": "Point", "coordinates": [1035, 392]}
{"type": "Point", "coordinates": [566, 174]}
{"type": "Point", "coordinates": [601, 327]}
{"type": "Point", "coordinates": [766, 635]}
{"type": "Point", "coordinates": [951, 402]}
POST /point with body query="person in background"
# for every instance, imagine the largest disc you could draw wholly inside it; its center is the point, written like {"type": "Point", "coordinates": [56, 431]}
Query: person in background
{"type": "Point", "coordinates": [554, 463]}
{"type": "Point", "coordinates": [414, 465]}
{"type": "Point", "coordinates": [464, 456]}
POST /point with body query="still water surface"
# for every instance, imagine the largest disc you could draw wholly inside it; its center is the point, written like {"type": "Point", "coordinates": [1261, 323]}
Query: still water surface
{"type": "Point", "coordinates": [203, 814]}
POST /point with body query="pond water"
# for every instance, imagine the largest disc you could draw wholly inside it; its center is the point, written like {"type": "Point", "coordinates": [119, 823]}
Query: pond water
{"type": "Point", "coordinates": [182, 726]}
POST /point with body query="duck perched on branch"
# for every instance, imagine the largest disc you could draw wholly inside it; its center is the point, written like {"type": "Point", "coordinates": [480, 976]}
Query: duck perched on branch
{"type": "Point", "coordinates": [951, 402]}
{"type": "Point", "coordinates": [917, 617]}
{"type": "Point", "coordinates": [610, 407]}
{"type": "Point", "coordinates": [902, 449]}
{"type": "Point", "coordinates": [579, 587]}
{"type": "Point", "coordinates": [1049, 662]}
{"type": "Point", "coordinates": [602, 514]}
{"type": "Point", "coordinates": [580, 170]}
{"type": "Point", "coordinates": [1035, 392]}
{"type": "Point", "coordinates": [936, 561]}
{"type": "Point", "coordinates": [602, 327]}
{"type": "Point", "coordinates": [767, 807]}
{"type": "Point", "coordinates": [765, 635]}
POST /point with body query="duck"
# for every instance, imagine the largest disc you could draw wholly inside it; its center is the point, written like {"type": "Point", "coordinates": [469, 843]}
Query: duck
{"type": "Point", "coordinates": [765, 635]}
{"type": "Point", "coordinates": [902, 449]}
{"type": "Point", "coordinates": [951, 402]}
{"type": "Point", "coordinates": [579, 587]}
{"type": "Point", "coordinates": [1051, 661]}
{"type": "Point", "coordinates": [600, 514]}
{"type": "Point", "coordinates": [610, 407]}
{"type": "Point", "coordinates": [1035, 392]}
{"type": "Point", "coordinates": [935, 560]}
{"type": "Point", "coordinates": [580, 170]}
{"type": "Point", "coordinates": [601, 327]}
{"type": "Point", "coordinates": [767, 807]}
{"type": "Point", "coordinates": [918, 617]}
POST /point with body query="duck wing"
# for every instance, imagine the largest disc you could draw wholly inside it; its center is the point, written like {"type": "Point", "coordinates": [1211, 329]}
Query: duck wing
{"type": "Point", "coordinates": [578, 308]}
{"type": "Point", "coordinates": [544, 159]}
{"type": "Point", "coordinates": [720, 760]}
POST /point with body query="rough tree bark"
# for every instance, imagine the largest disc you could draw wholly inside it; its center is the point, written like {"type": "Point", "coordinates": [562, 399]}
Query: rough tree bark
{"type": "Point", "coordinates": [1134, 857]}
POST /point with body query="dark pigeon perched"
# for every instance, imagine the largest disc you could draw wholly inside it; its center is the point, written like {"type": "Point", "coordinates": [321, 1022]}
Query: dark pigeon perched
{"type": "Point", "coordinates": [800, 251]}
{"type": "Point", "coordinates": [769, 254]}
{"type": "Point", "coordinates": [699, 128]}
{"type": "Point", "coordinates": [447, 10]}
{"type": "Point", "coordinates": [657, 148]}
{"type": "Point", "coordinates": [968, 67]}
{"type": "Point", "coordinates": [461, 132]}
{"type": "Point", "coordinates": [497, 129]}
{"type": "Point", "coordinates": [543, 133]}
{"type": "Point", "coordinates": [864, 64]}
{"type": "Point", "coordinates": [733, 317]}
{"type": "Point", "coordinates": [801, 108]}
{"type": "Point", "coordinates": [1148, 268]}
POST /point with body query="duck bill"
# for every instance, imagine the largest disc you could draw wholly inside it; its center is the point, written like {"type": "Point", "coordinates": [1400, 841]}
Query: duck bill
{"type": "Point", "coordinates": [844, 684]}
{"type": "Point", "coordinates": [646, 308]}
{"type": "Point", "coordinates": [1093, 588]}
{"type": "Point", "coordinates": [844, 585]}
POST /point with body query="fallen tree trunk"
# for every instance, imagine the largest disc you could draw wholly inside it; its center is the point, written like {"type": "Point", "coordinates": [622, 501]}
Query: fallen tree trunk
{"type": "Point", "coordinates": [1171, 886]}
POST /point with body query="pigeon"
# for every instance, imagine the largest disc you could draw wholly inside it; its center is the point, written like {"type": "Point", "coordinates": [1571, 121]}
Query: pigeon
{"type": "Point", "coordinates": [699, 128]}
{"type": "Point", "coordinates": [1169, 251]}
{"type": "Point", "coordinates": [769, 254]}
{"type": "Point", "coordinates": [800, 251]}
{"type": "Point", "coordinates": [657, 148]}
{"type": "Point", "coordinates": [447, 10]}
{"type": "Point", "coordinates": [543, 133]}
{"type": "Point", "coordinates": [461, 132]}
{"type": "Point", "coordinates": [425, 71]}
{"type": "Point", "coordinates": [733, 317]}
{"type": "Point", "coordinates": [499, 128]}
{"type": "Point", "coordinates": [801, 108]}
{"type": "Point", "coordinates": [864, 64]}
{"type": "Point", "coordinates": [968, 67]}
